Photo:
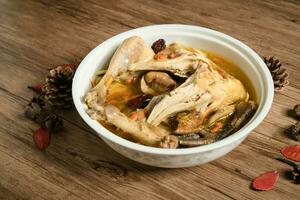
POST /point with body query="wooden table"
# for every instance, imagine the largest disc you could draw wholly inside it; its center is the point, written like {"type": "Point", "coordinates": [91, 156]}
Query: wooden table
{"type": "Point", "coordinates": [34, 35]}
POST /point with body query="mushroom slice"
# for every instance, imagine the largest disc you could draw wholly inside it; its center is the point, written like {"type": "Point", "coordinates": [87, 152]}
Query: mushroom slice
{"type": "Point", "coordinates": [145, 88]}
{"type": "Point", "coordinates": [190, 140]}
{"type": "Point", "coordinates": [244, 111]}
{"type": "Point", "coordinates": [155, 83]}
{"type": "Point", "coordinates": [225, 132]}
{"type": "Point", "coordinates": [196, 142]}
{"type": "Point", "coordinates": [141, 131]}
{"type": "Point", "coordinates": [153, 102]}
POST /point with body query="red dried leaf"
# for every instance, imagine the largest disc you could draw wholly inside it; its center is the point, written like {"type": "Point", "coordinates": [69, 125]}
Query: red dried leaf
{"type": "Point", "coordinates": [292, 152]}
{"type": "Point", "coordinates": [41, 138]}
{"type": "Point", "coordinates": [37, 88]}
{"type": "Point", "coordinates": [139, 102]}
{"type": "Point", "coordinates": [265, 181]}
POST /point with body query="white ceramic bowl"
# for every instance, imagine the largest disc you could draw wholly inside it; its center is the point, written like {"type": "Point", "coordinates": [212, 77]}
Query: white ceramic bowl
{"type": "Point", "coordinates": [193, 36]}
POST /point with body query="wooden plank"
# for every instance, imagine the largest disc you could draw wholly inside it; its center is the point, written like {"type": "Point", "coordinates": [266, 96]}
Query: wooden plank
{"type": "Point", "coordinates": [34, 35]}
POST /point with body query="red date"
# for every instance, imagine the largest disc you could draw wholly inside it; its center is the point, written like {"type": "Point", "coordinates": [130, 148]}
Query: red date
{"type": "Point", "coordinates": [139, 102]}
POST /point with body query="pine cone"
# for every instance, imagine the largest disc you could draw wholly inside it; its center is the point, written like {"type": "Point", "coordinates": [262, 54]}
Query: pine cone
{"type": "Point", "coordinates": [280, 75]}
{"type": "Point", "coordinates": [41, 112]}
{"type": "Point", "coordinates": [53, 122]}
{"type": "Point", "coordinates": [296, 174]}
{"type": "Point", "coordinates": [58, 87]}
{"type": "Point", "coordinates": [294, 131]}
{"type": "Point", "coordinates": [297, 111]}
{"type": "Point", "coordinates": [37, 109]}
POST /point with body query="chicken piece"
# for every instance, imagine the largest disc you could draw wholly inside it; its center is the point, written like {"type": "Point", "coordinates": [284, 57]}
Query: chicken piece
{"type": "Point", "coordinates": [132, 50]}
{"type": "Point", "coordinates": [139, 130]}
{"type": "Point", "coordinates": [184, 64]}
{"type": "Point", "coordinates": [156, 83]}
{"type": "Point", "coordinates": [205, 91]}
{"type": "Point", "coordinates": [189, 122]}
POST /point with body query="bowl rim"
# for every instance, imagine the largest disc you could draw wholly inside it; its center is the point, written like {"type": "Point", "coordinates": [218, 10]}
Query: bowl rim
{"type": "Point", "coordinates": [268, 92]}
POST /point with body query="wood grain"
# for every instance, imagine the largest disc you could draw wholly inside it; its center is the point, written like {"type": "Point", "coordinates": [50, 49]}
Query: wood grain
{"type": "Point", "coordinates": [34, 35]}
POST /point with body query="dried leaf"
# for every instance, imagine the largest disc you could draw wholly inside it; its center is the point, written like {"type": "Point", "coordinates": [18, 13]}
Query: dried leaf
{"type": "Point", "coordinates": [265, 181]}
{"type": "Point", "coordinates": [139, 102]}
{"type": "Point", "coordinates": [38, 88]}
{"type": "Point", "coordinates": [292, 152]}
{"type": "Point", "coordinates": [41, 138]}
